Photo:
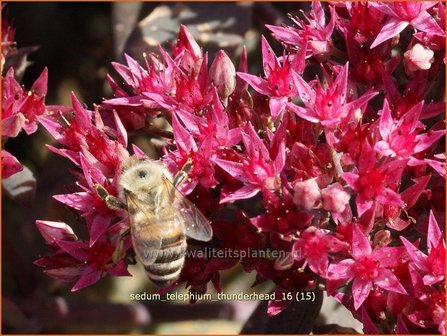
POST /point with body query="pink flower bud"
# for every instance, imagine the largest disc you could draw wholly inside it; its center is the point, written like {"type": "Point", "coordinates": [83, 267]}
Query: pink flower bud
{"type": "Point", "coordinates": [192, 59]}
{"type": "Point", "coordinates": [10, 165]}
{"type": "Point", "coordinates": [223, 74]}
{"type": "Point", "coordinates": [55, 231]}
{"type": "Point", "coordinates": [335, 198]}
{"type": "Point", "coordinates": [186, 40]}
{"type": "Point", "coordinates": [418, 58]}
{"type": "Point", "coordinates": [307, 194]}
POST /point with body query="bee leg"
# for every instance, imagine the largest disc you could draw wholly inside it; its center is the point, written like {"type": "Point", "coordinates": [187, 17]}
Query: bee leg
{"type": "Point", "coordinates": [182, 174]}
{"type": "Point", "coordinates": [112, 202]}
{"type": "Point", "coordinates": [119, 253]}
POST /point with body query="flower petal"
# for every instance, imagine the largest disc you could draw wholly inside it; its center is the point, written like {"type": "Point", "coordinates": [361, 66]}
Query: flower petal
{"type": "Point", "coordinates": [260, 85]}
{"type": "Point", "coordinates": [89, 277]}
{"type": "Point", "coordinates": [391, 28]}
{"type": "Point", "coordinates": [245, 192]}
{"type": "Point", "coordinates": [360, 291]}
{"type": "Point", "coordinates": [98, 226]}
{"type": "Point", "coordinates": [361, 245]}
{"type": "Point", "coordinates": [387, 280]}
{"type": "Point", "coordinates": [426, 23]}
{"type": "Point", "coordinates": [342, 270]}
{"type": "Point", "coordinates": [10, 165]}
{"type": "Point", "coordinates": [434, 233]}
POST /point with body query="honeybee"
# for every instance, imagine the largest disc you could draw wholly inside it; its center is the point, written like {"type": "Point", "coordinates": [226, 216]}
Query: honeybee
{"type": "Point", "coordinates": [160, 217]}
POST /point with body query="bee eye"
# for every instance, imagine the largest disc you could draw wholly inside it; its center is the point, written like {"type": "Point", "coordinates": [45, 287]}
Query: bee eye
{"type": "Point", "coordinates": [142, 174]}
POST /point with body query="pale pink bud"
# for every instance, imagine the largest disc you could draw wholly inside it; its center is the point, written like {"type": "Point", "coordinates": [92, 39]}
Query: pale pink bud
{"type": "Point", "coordinates": [223, 74]}
{"type": "Point", "coordinates": [418, 58]}
{"type": "Point", "coordinates": [307, 194]}
{"type": "Point", "coordinates": [335, 198]}
{"type": "Point", "coordinates": [54, 231]}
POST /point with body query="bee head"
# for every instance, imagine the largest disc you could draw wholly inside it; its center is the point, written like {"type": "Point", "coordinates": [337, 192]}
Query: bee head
{"type": "Point", "coordinates": [141, 175]}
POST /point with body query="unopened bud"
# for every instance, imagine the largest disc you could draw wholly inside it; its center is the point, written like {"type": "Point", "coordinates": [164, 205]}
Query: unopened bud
{"type": "Point", "coordinates": [193, 56]}
{"type": "Point", "coordinates": [223, 75]}
{"type": "Point", "coordinates": [335, 198]}
{"type": "Point", "coordinates": [186, 40]}
{"type": "Point", "coordinates": [54, 231]}
{"type": "Point", "coordinates": [418, 58]}
{"type": "Point", "coordinates": [307, 194]}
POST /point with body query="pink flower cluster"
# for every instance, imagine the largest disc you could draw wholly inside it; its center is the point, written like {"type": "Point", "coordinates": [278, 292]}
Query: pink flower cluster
{"type": "Point", "coordinates": [332, 155]}
{"type": "Point", "coordinates": [19, 106]}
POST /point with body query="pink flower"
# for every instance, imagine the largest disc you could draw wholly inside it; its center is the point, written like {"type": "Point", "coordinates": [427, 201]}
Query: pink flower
{"type": "Point", "coordinates": [98, 151]}
{"type": "Point", "coordinates": [313, 245]}
{"type": "Point", "coordinates": [431, 266]}
{"type": "Point", "coordinates": [405, 13]}
{"type": "Point", "coordinates": [254, 168]}
{"type": "Point", "coordinates": [21, 108]}
{"type": "Point", "coordinates": [201, 139]}
{"type": "Point", "coordinates": [412, 94]}
{"type": "Point", "coordinates": [367, 268]}
{"type": "Point", "coordinates": [278, 83]}
{"type": "Point", "coordinates": [363, 24]}
{"type": "Point", "coordinates": [83, 131]}
{"type": "Point", "coordinates": [371, 181]}
{"type": "Point", "coordinates": [403, 138]}
{"type": "Point", "coordinates": [317, 33]}
{"type": "Point", "coordinates": [75, 260]}
{"type": "Point", "coordinates": [327, 105]}
{"type": "Point", "coordinates": [427, 305]}
{"type": "Point", "coordinates": [432, 39]}
{"type": "Point", "coordinates": [158, 78]}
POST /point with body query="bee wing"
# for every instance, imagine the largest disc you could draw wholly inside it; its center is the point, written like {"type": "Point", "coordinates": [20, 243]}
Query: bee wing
{"type": "Point", "coordinates": [195, 224]}
{"type": "Point", "coordinates": [146, 246]}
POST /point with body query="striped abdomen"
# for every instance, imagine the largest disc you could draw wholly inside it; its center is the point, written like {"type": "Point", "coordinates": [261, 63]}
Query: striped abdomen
{"type": "Point", "coordinates": [158, 239]}
{"type": "Point", "coordinates": [169, 262]}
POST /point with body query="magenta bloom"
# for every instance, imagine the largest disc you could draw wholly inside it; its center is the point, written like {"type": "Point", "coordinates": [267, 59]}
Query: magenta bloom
{"type": "Point", "coordinates": [403, 138]}
{"type": "Point", "coordinates": [431, 266]}
{"type": "Point", "coordinates": [20, 109]}
{"type": "Point", "coordinates": [405, 13]}
{"type": "Point", "coordinates": [313, 246]}
{"type": "Point", "coordinates": [317, 33]}
{"type": "Point", "coordinates": [327, 105]}
{"type": "Point", "coordinates": [201, 139]}
{"type": "Point", "coordinates": [367, 268]}
{"type": "Point", "coordinates": [278, 83]}
{"type": "Point", "coordinates": [371, 181]}
{"type": "Point", "coordinates": [255, 169]}
{"type": "Point", "coordinates": [76, 260]}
